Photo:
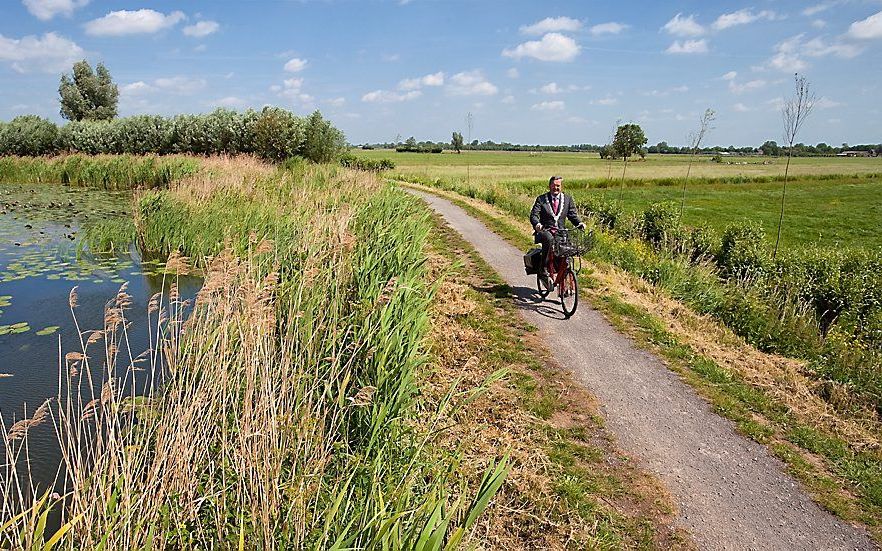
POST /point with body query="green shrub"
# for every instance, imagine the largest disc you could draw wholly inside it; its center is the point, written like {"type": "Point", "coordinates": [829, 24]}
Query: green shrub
{"type": "Point", "coordinates": [371, 165]}
{"type": "Point", "coordinates": [322, 143]}
{"type": "Point", "coordinates": [661, 224]}
{"type": "Point", "coordinates": [701, 243]}
{"type": "Point", "coordinates": [742, 252]}
{"type": "Point", "coordinates": [277, 133]}
{"type": "Point", "coordinates": [28, 135]}
{"type": "Point", "coordinates": [606, 212]}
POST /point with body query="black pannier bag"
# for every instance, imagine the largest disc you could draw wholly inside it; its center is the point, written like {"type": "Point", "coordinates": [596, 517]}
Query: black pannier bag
{"type": "Point", "coordinates": [532, 261]}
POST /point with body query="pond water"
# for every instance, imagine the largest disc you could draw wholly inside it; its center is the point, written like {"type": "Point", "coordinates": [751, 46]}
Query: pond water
{"type": "Point", "coordinates": [40, 261]}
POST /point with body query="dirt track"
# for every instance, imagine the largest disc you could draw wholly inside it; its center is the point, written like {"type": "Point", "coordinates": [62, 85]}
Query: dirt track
{"type": "Point", "coordinates": [730, 492]}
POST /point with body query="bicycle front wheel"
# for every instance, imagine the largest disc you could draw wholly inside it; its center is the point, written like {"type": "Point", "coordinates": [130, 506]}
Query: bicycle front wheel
{"type": "Point", "coordinates": [568, 291]}
{"type": "Point", "coordinates": [541, 285]}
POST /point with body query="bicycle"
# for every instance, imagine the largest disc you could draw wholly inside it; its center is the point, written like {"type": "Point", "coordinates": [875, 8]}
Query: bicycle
{"type": "Point", "coordinates": [564, 263]}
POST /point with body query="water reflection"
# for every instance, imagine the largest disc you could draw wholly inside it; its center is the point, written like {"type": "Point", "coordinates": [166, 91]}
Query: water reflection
{"type": "Point", "coordinates": [40, 261]}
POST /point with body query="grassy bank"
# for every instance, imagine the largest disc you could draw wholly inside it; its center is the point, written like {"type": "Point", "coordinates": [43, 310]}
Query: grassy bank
{"type": "Point", "coordinates": [777, 401]}
{"type": "Point", "coordinates": [289, 414]}
{"type": "Point", "coordinates": [112, 172]}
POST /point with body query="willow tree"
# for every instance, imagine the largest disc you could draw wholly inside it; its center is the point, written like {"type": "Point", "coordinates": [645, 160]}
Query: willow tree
{"type": "Point", "coordinates": [628, 141]}
{"type": "Point", "coordinates": [88, 95]}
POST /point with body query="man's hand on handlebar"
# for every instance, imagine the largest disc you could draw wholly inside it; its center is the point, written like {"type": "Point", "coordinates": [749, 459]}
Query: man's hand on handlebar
{"type": "Point", "coordinates": [538, 227]}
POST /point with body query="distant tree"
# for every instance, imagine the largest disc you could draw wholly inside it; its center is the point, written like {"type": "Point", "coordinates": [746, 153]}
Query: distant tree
{"type": "Point", "coordinates": [695, 139]}
{"type": "Point", "coordinates": [322, 143]}
{"type": "Point", "coordinates": [628, 141]}
{"type": "Point", "coordinates": [457, 142]}
{"type": "Point", "coordinates": [88, 95]}
{"type": "Point", "coordinates": [793, 114]}
{"type": "Point", "coordinates": [410, 143]}
{"type": "Point", "coordinates": [771, 148]}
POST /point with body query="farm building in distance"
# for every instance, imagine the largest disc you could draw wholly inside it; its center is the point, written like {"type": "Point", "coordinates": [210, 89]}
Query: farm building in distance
{"type": "Point", "coordinates": [855, 154]}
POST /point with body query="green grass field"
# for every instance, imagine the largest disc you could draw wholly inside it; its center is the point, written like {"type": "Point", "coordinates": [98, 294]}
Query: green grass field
{"type": "Point", "coordinates": [578, 167]}
{"type": "Point", "coordinates": [821, 209]}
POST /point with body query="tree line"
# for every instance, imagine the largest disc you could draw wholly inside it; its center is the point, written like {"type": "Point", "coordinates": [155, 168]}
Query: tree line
{"type": "Point", "coordinates": [89, 102]}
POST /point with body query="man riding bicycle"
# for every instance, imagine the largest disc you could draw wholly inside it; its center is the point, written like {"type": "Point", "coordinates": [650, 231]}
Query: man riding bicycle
{"type": "Point", "coordinates": [547, 217]}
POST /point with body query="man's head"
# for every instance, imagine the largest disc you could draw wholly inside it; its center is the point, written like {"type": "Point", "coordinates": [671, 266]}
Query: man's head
{"type": "Point", "coordinates": [555, 183]}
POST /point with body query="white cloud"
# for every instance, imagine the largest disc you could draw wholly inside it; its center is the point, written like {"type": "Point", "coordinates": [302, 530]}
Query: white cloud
{"type": "Point", "coordinates": [868, 28]}
{"type": "Point", "coordinates": [508, 100]}
{"type": "Point", "coordinates": [605, 101]}
{"type": "Point", "coordinates": [819, 23]}
{"type": "Point", "coordinates": [667, 92]}
{"type": "Point", "coordinates": [136, 88]}
{"type": "Point", "coordinates": [688, 47]}
{"type": "Point", "coordinates": [789, 55]}
{"type": "Point", "coordinates": [202, 28]}
{"type": "Point", "coordinates": [385, 96]}
{"type": "Point", "coordinates": [552, 24]}
{"type": "Point", "coordinates": [229, 101]}
{"type": "Point", "coordinates": [434, 79]}
{"type": "Point", "coordinates": [50, 53]}
{"type": "Point", "coordinates": [827, 103]}
{"type": "Point", "coordinates": [180, 84]}
{"type": "Point", "coordinates": [549, 106]}
{"type": "Point", "coordinates": [816, 47]}
{"type": "Point", "coordinates": [818, 8]}
{"type": "Point", "coordinates": [124, 22]}
{"type": "Point", "coordinates": [730, 75]}
{"type": "Point", "coordinates": [608, 28]}
{"type": "Point", "coordinates": [295, 65]}
{"type": "Point", "coordinates": [749, 86]}
{"type": "Point", "coordinates": [776, 103]}
{"type": "Point", "coordinates": [291, 90]}
{"type": "Point", "coordinates": [336, 102]}
{"type": "Point", "coordinates": [684, 26]}
{"type": "Point", "coordinates": [293, 83]}
{"type": "Point", "coordinates": [742, 17]}
{"type": "Point", "coordinates": [512, 73]}
{"type": "Point", "coordinates": [551, 47]}
{"type": "Point", "coordinates": [741, 108]}
{"type": "Point", "coordinates": [47, 9]}
{"type": "Point", "coordinates": [170, 85]}
{"type": "Point", "coordinates": [471, 83]}
{"type": "Point", "coordinates": [551, 88]}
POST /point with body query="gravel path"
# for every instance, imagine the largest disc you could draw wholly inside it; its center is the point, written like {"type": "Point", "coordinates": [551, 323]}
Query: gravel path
{"type": "Point", "coordinates": [730, 492]}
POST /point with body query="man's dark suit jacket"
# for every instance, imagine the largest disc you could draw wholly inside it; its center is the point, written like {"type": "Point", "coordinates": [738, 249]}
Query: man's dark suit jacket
{"type": "Point", "coordinates": [543, 214]}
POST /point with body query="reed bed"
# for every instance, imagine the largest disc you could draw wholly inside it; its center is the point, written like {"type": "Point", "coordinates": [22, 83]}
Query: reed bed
{"type": "Point", "coordinates": [111, 172]}
{"type": "Point", "coordinates": [284, 412]}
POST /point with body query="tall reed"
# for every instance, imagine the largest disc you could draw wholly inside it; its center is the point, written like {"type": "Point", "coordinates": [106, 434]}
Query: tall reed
{"type": "Point", "coordinates": [284, 412]}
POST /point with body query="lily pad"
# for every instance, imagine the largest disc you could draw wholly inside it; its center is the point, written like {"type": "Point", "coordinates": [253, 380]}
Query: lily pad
{"type": "Point", "coordinates": [48, 330]}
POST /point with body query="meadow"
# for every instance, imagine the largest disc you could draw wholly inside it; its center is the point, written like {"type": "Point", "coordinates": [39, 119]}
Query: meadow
{"type": "Point", "coordinates": [820, 299]}
{"type": "Point", "coordinates": [580, 168]}
{"type": "Point", "coordinates": [831, 201]}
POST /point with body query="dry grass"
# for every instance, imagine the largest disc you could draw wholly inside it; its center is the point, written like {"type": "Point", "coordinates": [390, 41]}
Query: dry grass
{"type": "Point", "coordinates": [783, 379]}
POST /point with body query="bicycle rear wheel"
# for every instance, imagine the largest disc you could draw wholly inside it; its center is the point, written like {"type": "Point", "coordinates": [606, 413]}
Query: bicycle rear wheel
{"type": "Point", "coordinates": [568, 291]}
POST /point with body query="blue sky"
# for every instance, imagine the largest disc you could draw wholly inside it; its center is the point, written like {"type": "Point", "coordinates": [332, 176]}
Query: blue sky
{"type": "Point", "coordinates": [529, 72]}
